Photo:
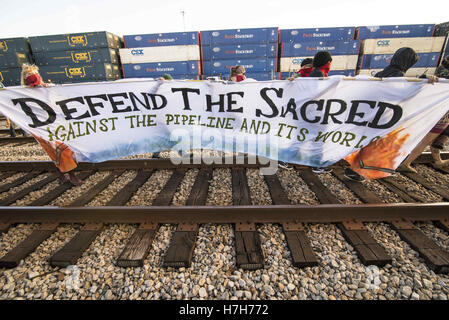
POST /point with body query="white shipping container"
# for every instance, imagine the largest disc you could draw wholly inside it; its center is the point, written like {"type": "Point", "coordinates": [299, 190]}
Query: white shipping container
{"type": "Point", "coordinates": [293, 64]}
{"type": "Point", "coordinates": [390, 45]}
{"type": "Point", "coordinates": [412, 72]}
{"type": "Point", "coordinates": [160, 54]}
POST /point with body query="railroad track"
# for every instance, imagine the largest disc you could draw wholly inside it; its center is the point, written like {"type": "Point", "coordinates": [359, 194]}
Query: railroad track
{"type": "Point", "coordinates": [242, 214]}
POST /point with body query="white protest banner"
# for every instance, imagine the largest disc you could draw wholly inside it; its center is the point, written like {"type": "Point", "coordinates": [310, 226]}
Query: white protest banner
{"type": "Point", "coordinates": [308, 121]}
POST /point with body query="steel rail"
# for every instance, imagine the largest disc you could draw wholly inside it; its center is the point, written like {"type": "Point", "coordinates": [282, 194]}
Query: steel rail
{"type": "Point", "coordinates": [228, 214]}
{"type": "Point", "coordinates": [156, 163]}
{"type": "Point", "coordinates": [17, 139]}
{"type": "Point", "coordinates": [151, 163]}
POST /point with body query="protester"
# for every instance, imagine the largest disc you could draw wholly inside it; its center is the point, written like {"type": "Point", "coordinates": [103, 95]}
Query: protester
{"type": "Point", "coordinates": [306, 69]}
{"type": "Point", "coordinates": [165, 76]}
{"type": "Point", "coordinates": [438, 144]}
{"type": "Point", "coordinates": [238, 73]}
{"type": "Point", "coordinates": [443, 70]}
{"type": "Point", "coordinates": [10, 124]}
{"type": "Point", "coordinates": [321, 66]}
{"type": "Point", "coordinates": [31, 78]}
{"type": "Point", "coordinates": [402, 60]}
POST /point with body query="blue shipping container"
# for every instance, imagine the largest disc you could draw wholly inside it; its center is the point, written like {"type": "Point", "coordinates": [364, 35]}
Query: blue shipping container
{"type": "Point", "coordinates": [10, 77]}
{"type": "Point", "coordinates": [161, 39]}
{"type": "Point", "coordinates": [218, 67]}
{"type": "Point", "coordinates": [14, 45]}
{"type": "Point", "coordinates": [310, 48]}
{"type": "Point", "coordinates": [259, 76]}
{"type": "Point", "coordinates": [348, 73]}
{"type": "Point", "coordinates": [62, 42]}
{"type": "Point", "coordinates": [399, 31]}
{"type": "Point", "coordinates": [156, 75]}
{"type": "Point", "coordinates": [317, 34]}
{"type": "Point", "coordinates": [88, 56]}
{"type": "Point", "coordinates": [14, 59]}
{"type": "Point", "coordinates": [236, 36]}
{"type": "Point", "coordinates": [239, 51]}
{"type": "Point", "coordinates": [380, 61]}
{"type": "Point", "coordinates": [143, 70]}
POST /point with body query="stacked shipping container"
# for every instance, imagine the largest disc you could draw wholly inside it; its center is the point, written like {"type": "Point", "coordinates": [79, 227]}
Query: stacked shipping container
{"type": "Point", "coordinates": [81, 57]}
{"type": "Point", "coordinates": [379, 43]}
{"type": "Point", "coordinates": [153, 55]}
{"type": "Point", "coordinates": [255, 49]}
{"type": "Point", "coordinates": [94, 56]}
{"type": "Point", "coordinates": [299, 44]}
{"type": "Point", "coordinates": [13, 53]}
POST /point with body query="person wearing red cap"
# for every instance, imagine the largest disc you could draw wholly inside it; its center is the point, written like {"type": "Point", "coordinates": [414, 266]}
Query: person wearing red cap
{"type": "Point", "coordinates": [321, 66]}
{"type": "Point", "coordinates": [238, 73]}
{"type": "Point", "coordinates": [32, 78]}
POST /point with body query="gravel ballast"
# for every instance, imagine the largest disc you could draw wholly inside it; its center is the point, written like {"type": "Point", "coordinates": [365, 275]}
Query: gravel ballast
{"type": "Point", "coordinates": [213, 273]}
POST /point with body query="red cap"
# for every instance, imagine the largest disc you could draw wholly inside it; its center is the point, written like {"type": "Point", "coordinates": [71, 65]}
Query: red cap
{"type": "Point", "coordinates": [33, 80]}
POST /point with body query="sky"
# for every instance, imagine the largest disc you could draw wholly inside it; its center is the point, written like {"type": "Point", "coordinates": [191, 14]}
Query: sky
{"type": "Point", "coordinates": [26, 18]}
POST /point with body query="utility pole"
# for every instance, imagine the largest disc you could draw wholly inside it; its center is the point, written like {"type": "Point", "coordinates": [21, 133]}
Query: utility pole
{"type": "Point", "coordinates": [183, 20]}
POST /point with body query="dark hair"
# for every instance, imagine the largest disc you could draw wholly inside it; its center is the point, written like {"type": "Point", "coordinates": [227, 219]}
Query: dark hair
{"type": "Point", "coordinates": [404, 58]}
{"type": "Point", "coordinates": [321, 58]}
{"type": "Point", "coordinates": [237, 70]}
{"type": "Point", "coordinates": [306, 61]}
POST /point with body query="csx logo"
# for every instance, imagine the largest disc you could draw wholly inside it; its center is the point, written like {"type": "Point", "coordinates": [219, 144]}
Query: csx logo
{"type": "Point", "coordinates": [297, 61]}
{"type": "Point", "coordinates": [77, 40]}
{"type": "Point", "coordinates": [383, 43]}
{"type": "Point", "coordinates": [3, 46]}
{"type": "Point", "coordinates": [75, 72]}
{"type": "Point", "coordinates": [81, 56]}
{"type": "Point", "coordinates": [137, 52]}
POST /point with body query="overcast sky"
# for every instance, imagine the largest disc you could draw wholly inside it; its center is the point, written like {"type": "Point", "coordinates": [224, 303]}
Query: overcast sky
{"type": "Point", "coordinates": [23, 18]}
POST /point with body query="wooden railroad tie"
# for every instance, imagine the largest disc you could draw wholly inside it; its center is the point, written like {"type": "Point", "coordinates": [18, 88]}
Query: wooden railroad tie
{"type": "Point", "coordinates": [439, 189]}
{"type": "Point", "coordinates": [248, 249]}
{"type": "Point", "coordinates": [297, 241]}
{"type": "Point", "coordinates": [27, 246]}
{"type": "Point", "coordinates": [320, 190]}
{"type": "Point", "coordinates": [182, 245]}
{"type": "Point", "coordinates": [398, 189]}
{"type": "Point", "coordinates": [127, 191]}
{"type": "Point", "coordinates": [249, 254]}
{"type": "Point", "coordinates": [56, 192]}
{"type": "Point", "coordinates": [299, 245]}
{"type": "Point", "coordinates": [24, 192]}
{"type": "Point", "coordinates": [73, 250]}
{"type": "Point", "coordinates": [368, 250]}
{"type": "Point", "coordinates": [19, 181]}
{"type": "Point", "coordinates": [95, 190]}
{"type": "Point", "coordinates": [180, 251]}
{"type": "Point", "coordinates": [138, 246]}
{"type": "Point", "coordinates": [366, 195]}
{"type": "Point", "coordinates": [436, 258]}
